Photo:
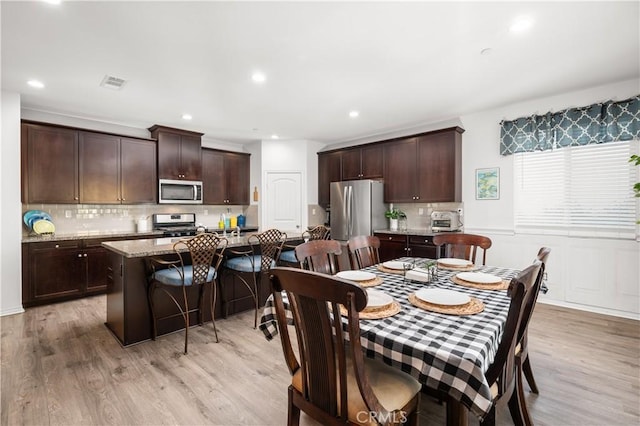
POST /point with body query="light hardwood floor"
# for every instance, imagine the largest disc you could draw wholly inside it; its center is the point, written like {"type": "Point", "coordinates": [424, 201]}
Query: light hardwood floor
{"type": "Point", "coordinates": [61, 366]}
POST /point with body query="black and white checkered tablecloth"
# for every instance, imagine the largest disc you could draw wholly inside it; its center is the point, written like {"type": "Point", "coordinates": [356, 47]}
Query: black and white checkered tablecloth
{"type": "Point", "coordinates": [446, 352]}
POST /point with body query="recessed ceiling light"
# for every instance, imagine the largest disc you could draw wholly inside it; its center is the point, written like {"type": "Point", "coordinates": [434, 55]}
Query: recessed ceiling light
{"type": "Point", "coordinates": [486, 51]}
{"type": "Point", "coordinates": [353, 114]}
{"type": "Point", "coordinates": [52, 1]}
{"type": "Point", "coordinates": [36, 84]}
{"type": "Point", "coordinates": [186, 116]}
{"type": "Point", "coordinates": [521, 24]}
{"type": "Point", "coordinates": [275, 137]}
{"type": "Point", "coordinates": [258, 77]}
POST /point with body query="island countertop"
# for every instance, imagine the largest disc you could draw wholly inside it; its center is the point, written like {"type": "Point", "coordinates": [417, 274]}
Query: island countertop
{"type": "Point", "coordinates": [160, 246]}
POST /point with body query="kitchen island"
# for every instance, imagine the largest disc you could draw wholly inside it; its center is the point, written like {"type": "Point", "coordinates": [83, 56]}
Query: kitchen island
{"type": "Point", "coordinates": [128, 313]}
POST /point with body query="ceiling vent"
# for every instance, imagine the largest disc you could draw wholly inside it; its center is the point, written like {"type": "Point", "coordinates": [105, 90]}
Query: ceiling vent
{"type": "Point", "coordinates": [113, 83]}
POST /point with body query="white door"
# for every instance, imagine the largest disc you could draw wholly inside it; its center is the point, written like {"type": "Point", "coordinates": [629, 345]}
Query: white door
{"type": "Point", "coordinates": [284, 201]}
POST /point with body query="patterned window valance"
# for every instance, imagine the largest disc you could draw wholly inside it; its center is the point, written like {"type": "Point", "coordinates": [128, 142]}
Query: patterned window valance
{"type": "Point", "coordinates": [597, 123]}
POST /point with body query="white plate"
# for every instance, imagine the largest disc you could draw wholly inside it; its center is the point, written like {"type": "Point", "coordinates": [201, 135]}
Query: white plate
{"type": "Point", "coordinates": [356, 275]}
{"type": "Point", "coordinates": [395, 265]}
{"type": "Point", "coordinates": [450, 261]}
{"type": "Point", "coordinates": [479, 277]}
{"type": "Point", "coordinates": [377, 298]}
{"type": "Point", "coordinates": [441, 296]}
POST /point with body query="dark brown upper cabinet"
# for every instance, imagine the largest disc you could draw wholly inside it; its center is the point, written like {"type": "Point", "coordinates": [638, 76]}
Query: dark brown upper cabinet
{"type": "Point", "coordinates": [225, 177]}
{"type": "Point", "coordinates": [362, 163]}
{"type": "Point", "coordinates": [70, 166]}
{"type": "Point", "coordinates": [179, 153]}
{"type": "Point", "coordinates": [426, 168]}
{"type": "Point", "coordinates": [329, 170]}
{"type": "Point", "coordinates": [116, 170]}
{"type": "Point", "coordinates": [49, 164]}
{"type": "Point", "coordinates": [138, 176]}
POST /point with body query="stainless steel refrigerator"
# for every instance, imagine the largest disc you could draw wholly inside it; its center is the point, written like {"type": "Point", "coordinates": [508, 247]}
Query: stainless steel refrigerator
{"type": "Point", "coordinates": [357, 208]}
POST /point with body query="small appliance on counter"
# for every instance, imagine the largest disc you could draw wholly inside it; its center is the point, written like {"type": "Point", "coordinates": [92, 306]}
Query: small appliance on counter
{"type": "Point", "coordinates": [446, 221]}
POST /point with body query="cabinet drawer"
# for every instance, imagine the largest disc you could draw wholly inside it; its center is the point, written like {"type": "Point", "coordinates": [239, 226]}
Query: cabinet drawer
{"type": "Point", "coordinates": [54, 245]}
{"type": "Point", "coordinates": [420, 240]}
{"type": "Point", "coordinates": [392, 237]}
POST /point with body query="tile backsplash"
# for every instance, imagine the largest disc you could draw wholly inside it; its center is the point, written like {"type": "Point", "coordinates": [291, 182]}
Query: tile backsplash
{"type": "Point", "coordinates": [415, 220]}
{"type": "Point", "coordinates": [71, 218]}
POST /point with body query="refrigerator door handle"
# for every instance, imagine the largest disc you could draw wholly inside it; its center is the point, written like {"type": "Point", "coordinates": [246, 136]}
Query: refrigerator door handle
{"type": "Point", "coordinates": [350, 212]}
{"type": "Point", "coordinates": [345, 210]}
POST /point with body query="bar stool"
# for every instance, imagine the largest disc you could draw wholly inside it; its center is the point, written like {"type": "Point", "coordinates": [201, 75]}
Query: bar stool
{"type": "Point", "coordinates": [249, 265]}
{"type": "Point", "coordinates": [288, 257]}
{"type": "Point", "coordinates": [206, 251]}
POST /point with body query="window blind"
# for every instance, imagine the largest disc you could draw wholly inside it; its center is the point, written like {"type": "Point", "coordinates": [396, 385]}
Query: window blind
{"type": "Point", "coordinates": [583, 190]}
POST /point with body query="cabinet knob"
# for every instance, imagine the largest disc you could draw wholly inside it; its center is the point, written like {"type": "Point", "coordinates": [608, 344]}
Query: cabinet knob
{"type": "Point", "coordinates": [57, 245]}
{"type": "Point", "coordinates": [79, 254]}
{"type": "Point", "coordinates": [84, 255]}
{"type": "Point", "coordinates": [75, 198]}
{"type": "Point", "coordinates": [390, 238]}
{"type": "Point", "coordinates": [122, 199]}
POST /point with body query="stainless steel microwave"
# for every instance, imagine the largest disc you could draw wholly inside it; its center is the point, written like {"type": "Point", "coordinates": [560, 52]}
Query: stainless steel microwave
{"type": "Point", "coordinates": [179, 191]}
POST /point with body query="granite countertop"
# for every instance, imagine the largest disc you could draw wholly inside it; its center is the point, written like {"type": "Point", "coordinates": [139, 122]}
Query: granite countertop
{"type": "Point", "coordinates": [85, 235]}
{"type": "Point", "coordinates": [160, 246]}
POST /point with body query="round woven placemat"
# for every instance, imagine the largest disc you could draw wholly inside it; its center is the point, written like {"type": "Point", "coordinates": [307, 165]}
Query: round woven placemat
{"type": "Point", "coordinates": [503, 285]}
{"type": "Point", "coordinates": [370, 283]}
{"type": "Point", "coordinates": [389, 271]}
{"type": "Point", "coordinates": [457, 268]}
{"type": "Point", "coordinates": [377, 313]}
{"type": "Point", "coordinates": [475, 306]}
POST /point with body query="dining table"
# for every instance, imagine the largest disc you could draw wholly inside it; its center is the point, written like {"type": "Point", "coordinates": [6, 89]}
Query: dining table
{"type": "Point", "coordinates": [446, 352]}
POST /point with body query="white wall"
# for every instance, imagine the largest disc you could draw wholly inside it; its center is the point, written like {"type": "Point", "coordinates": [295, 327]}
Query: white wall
{"type": "Point", "coordinates": [601, 275]}
{"type": "Point", "coordinates": [10, 207]}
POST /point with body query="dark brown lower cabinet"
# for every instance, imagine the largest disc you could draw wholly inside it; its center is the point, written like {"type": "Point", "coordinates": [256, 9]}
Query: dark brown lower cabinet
{"type": "Point", "coordinates": [421, 246]}
{"type": "Point", "coordinates": [55, 271]}
{"type": "Point", "coordinates": [393, 246]}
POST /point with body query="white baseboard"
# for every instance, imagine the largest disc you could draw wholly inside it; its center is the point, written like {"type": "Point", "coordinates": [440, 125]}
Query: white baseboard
{"type": "Point", "coordinates": [12, 311]}
{"type": "Point", "coordinates": [593, 309]}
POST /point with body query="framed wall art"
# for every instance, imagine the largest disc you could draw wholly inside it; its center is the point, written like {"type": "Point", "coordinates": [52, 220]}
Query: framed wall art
{"type": "Point", "coordinates": [488, 184]}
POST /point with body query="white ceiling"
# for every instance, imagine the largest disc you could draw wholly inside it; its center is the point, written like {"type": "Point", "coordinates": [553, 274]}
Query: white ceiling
{"type": "Point", "coordinates": [400, 64]}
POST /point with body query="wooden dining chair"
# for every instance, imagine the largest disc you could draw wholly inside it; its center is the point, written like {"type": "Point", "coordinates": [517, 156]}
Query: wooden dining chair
{"type": "Point", "coordinates": [197, 268]}
{"type": "Point", "coordinates": [319, 256]}
{"type": "Point", "coordinates": [502, 374]}
{"type": "Point", "coordinates": [363, 251]}
{"type": "Point", "coordinates": [251, 264]}
{"type": "Point", "coordinates": [288, 255]}
{"type": "Point", "coordinates": [523, 365]}
{"type": "Point", "coordinates": [462, 246]}
{"type": "Point", "coordinates": [332, 381]}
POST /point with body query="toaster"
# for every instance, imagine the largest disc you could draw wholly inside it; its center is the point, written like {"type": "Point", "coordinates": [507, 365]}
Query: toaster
{"type": "Point", "coordinates": [445, 221]}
